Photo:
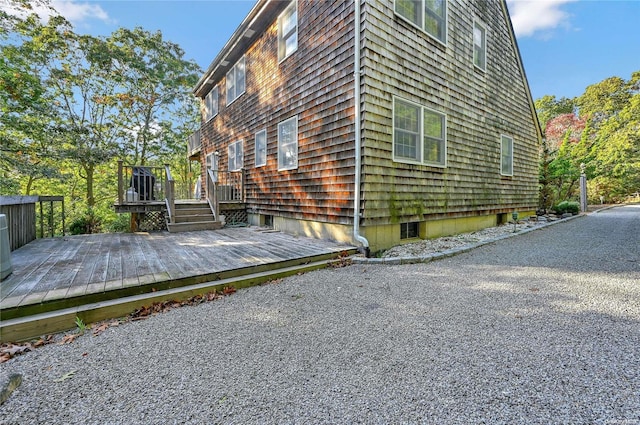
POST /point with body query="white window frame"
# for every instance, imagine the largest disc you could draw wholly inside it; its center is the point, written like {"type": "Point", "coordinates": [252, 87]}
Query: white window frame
{"type": "Point", "coordinates": [210, 104]}
{"type": "Point", "coordinates": [421, 136]}
{"type": "Point", "coordinates": [292, 146]}
{"type": "Point", "coordinates": [509, 140]}
{"type": "Point", "coordinates": [483, 48]}
{"type": "Point", "coordinates": [422, 17]}
{"type": "Point", "coordinates": [260, 152]}
{"type": "Point", "coordinates": [235, 156]}
{"type": "Point", "coordinates": [292, 34]}
{"type": "Point", "coordinates": [233, 91]}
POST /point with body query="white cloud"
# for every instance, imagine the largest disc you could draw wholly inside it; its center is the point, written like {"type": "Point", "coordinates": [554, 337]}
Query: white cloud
{"type": "Point", "coordinates": [79, 14]}
{"type": "Point", "coordinates": [532, 16]}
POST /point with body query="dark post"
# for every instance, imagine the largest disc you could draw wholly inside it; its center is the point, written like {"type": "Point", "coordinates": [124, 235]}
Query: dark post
{"type": "Point", "coordinates": [120, 183]}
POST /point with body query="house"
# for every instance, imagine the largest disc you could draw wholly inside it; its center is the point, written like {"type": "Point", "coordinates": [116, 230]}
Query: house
{"type": "Point", "coordinates": [413, 121]}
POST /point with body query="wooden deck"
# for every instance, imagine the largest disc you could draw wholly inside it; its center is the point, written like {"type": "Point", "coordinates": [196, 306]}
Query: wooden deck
{"type": "Point", "coordinates": [107, 266]}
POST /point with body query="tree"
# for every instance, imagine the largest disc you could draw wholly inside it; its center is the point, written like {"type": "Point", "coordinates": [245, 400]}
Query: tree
{"type": "Point", "coordinates": [155, 101]}
{"type": "Point", "coordinates": [25, 117]}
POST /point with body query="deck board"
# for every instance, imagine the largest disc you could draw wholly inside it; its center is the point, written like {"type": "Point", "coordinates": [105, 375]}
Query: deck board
{"type": "Point", "coordinates": [72, 266]}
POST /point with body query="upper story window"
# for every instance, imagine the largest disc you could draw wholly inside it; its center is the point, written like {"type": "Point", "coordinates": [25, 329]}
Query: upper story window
{"type": "Point", "coordinates": [235, 156]}
{"type": "Point", "coordinates": [428, 15]}
{"type": "Point", "coordinates": [506, 155]}
{"type": "Point", "coordinates": [288, 144]}
{"type": "Point", "coordinates": [236, 81]}
{"type": "Point", "coordinates": [261, 148]}
{"type": "Point", "coordinates": [210, 104]}
{"type": "Point", "coordinates": [419, 134]}
{"type": "Point", "coordinates": [288, 31]}
{"type": "Point", "coordinates": [479, 45]}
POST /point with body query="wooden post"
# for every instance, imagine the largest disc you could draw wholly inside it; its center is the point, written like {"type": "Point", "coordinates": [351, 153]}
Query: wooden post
{"type": "Point", "coordinates": [41, 222]}
{"type": "Point", "coordinates": [120, 182]}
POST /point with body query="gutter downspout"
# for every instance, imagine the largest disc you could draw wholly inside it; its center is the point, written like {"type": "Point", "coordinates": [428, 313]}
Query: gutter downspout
{"type": "Point", "coordinates": [358, 166]}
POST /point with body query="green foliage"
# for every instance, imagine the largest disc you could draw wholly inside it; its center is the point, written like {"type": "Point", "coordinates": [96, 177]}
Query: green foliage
{"type": "Point", "coordinates": [71, 105]}
{"type": "Point", "coordinates": [80, 325]}
{"type": "Point", "coordinates": [88, 223]}
{"type": "Point", "coordinates": [567, 207]}
{"type": "Point", "coordinates": [605, 136]}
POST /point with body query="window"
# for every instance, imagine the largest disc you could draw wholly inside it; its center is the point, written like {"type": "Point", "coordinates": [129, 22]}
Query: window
{"type": "Point", "coordinates": [409, 230]}
{"type": "Point", "coordinates": [261, 148]}
{"type": "Point", "coordinates": [479, 45]}
{"type": "Point", "coordinates": [235, 156]}
{"type": "Point", "coordinates": [210, 104]}
{"type": "Point", "coordinates": [428, 15]}
{"type": "Point", "coordinates": [288, 144]}
{"type": "Point", "coordinates": [506, 156]}
{"type": "Point", "coordinates": [235, 81]}
{"type": "Point", "coordinates": [288, 31]}
{"type": "Point", "coordinates": [419, 134]}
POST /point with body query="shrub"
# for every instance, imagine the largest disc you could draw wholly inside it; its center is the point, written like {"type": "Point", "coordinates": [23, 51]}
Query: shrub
{"type": "Point", "coordinates": [567, 207]}
{"type": "Point", "coordinates": [85, 224]}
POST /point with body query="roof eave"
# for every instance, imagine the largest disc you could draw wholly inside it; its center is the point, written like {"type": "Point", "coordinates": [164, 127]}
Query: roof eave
{"type": "Point", "coordinates": [253, 25]}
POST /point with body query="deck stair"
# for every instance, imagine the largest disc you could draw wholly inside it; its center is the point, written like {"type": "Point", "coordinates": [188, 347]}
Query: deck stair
{"type": "Point", "coordinates": [192, 216]}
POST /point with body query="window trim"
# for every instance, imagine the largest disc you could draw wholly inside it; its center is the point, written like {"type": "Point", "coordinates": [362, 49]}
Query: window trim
{"type": "Point", "coordinates": [295, 119]}
{"type": "Point", "coordinates": [208, 114]}
{"type": "Point", "coordinates": [234, 71]}
{"type": "Point", "coordinates": [504, 137]}
{"type": "Point", "coordinates": [255, 152]}
{"type": "Point", "coordinates": [421, 27]}
{"type": "Point", "coordinates": [421, 137]}
{"type": "Point", "coordinates": [236, 143]}
{"type": "Point", "coordinates": [282, 51]}
{"type": "Point", "coordinates": [479, 23]}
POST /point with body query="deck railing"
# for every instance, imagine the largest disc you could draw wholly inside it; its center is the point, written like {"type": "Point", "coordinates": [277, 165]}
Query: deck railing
{"type": "Point", "coordinates": [170, 192]}
{"type": "Point", "coordinates": [231, 186]}
{"type": "Point", "coordinates": [23, 216]}
{"type": "Point", "coordinates": [141, 183]}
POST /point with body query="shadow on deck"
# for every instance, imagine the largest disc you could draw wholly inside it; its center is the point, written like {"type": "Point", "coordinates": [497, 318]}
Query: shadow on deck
{"type": "Point", "coordinates": [96, 277]}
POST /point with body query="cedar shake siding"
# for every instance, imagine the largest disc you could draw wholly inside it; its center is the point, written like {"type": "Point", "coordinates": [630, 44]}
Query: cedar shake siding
{"type": "Point", "coordinates": [449, 129]}
{"type": "Point", "coordinates": [314, 84]}
{"type": "Point", "coordinates": [404, 62]}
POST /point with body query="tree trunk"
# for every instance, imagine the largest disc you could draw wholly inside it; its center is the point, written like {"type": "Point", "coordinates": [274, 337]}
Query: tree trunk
{"type": "Point", "coordinates": [89, 170]}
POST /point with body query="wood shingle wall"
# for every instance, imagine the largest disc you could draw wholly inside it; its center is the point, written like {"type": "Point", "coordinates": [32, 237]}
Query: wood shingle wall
{"type": "Point", "coordinates": [401, 60]}
{"type": "Point", "coordinates": [315, 84]}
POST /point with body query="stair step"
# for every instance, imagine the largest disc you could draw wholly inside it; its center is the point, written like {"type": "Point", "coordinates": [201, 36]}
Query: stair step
{"type": "Point", "coordinates": [192, 204]}
{"type": "Point", "coordinates": [193, 211]}
{"type": "Point", "coordinates": [192, 227]}
{"type": "Point", "coordinates": [193, 218]}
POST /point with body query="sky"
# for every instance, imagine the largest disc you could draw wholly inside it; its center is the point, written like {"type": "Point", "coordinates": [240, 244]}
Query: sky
{"type": "Point", "coordinates": [566, 45]}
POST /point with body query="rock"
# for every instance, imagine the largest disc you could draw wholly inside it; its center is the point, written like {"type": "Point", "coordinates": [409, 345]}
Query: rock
{"type": "Point", "coordinates": [567, 215]}
{"type": "Point", "coordinates": [8, 384]}
{"type": "Point", "coordinates": [542, 219]}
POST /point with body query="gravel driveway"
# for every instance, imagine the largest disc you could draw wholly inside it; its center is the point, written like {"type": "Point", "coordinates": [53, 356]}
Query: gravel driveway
{"type": "Point", "coordinates": [542, 328]}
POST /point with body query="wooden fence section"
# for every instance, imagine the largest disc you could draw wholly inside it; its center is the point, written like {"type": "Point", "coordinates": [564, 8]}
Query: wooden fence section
{"type": "Point", "coordinates": [21, 215]}
{"type": "Point", "coordinates": [21, 219]}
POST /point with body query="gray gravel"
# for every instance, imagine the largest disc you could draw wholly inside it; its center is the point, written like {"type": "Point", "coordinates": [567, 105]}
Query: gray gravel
{"type": "Point", "coordinates": [542, 328]}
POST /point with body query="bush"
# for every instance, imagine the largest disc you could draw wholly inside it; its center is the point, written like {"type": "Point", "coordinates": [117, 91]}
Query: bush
{"type": "Point", "coordinates": [85, 224]}
{"type": "Point", "coordinates": [567, 207]}
{"type": "Point", "coordinates": [119, 224]}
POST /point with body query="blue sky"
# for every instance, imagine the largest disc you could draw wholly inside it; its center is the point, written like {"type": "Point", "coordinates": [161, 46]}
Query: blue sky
{"type": "Point", "coordinates": [566, 45]}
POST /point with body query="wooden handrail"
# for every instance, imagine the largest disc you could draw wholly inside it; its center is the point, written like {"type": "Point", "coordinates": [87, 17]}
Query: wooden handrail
{"type": "Point", "coordinates": [212, 193]}
{"type": "Point", "coordinates": [170, 197]}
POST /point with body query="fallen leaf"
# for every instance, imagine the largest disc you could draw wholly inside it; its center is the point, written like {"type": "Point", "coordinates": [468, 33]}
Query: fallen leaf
{"type": "Point", "coordinates": [65, 376]}
{"type": "Point", "coordinates": [228, 290]}
{"type": "Point", "coordinates": [68, 339]}
{"type": "Point", "coordinates": [4, 357]}
{"type": "Point", "coordinates": [98, 330]}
